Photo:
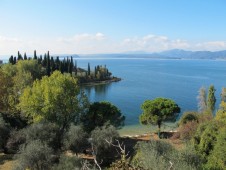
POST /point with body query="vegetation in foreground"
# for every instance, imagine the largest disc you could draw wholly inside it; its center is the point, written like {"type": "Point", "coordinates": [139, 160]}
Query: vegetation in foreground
{"type": "Point", "coordinates": [44, 118]}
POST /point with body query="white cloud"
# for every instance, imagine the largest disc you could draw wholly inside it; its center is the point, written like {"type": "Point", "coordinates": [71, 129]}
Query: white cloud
{"type": "Point", "coordinates": [100, 43]}
{"type": "Point", "coordinates": [211, 45]}
{"type": "Point", "coordinates": [83, 37]}
{"type": "Point", "coordinates": [153, 43]}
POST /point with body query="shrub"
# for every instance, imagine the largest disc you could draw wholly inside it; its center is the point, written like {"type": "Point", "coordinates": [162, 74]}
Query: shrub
{"type": "Point", "coordinates": [68, 163]}
{"type": "Point", "coordinates": [102, 149]}
{"type": "Point", "coordinates": [16, 138]}
{"type": "Point", "coordinates": [205, 138]}
{"type": "Point", "coordinates": [4, 134]}
{"type": "Point", "coordinates": [188, 130]}
{"type": "Point", "coordinates": [75, 139]}
{"type": "Point", "coordinates": [45, 132]}
{"type": "Point", "coordinates": [161, 155]}
{"type": "Point", "coordinates": [35, 155]}
{"type": "Point", "coordinates": [188, 117]}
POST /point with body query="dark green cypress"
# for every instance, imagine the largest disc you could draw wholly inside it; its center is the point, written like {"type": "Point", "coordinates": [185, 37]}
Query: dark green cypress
{"type": "Point", "coordinates": [88, 69]}
{"type": "Point", "coordinates": [211, 99]}
{"type": "Point", "coordinates": [25, 56]}
{"type": "Point", "coordinates": [35, 55]}
{"type": "Point", "coordinates": [48, 70]}
{"type": "Point", "coordinates": [11, 60]}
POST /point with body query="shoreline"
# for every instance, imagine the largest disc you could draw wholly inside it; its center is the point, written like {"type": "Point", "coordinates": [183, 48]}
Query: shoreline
{"type": "Point", "coordinates": [95, 83]}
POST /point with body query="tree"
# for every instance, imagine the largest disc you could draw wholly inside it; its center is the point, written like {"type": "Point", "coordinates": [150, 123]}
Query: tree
{"type": "Point", "coordinates": [35, 55]}
{"type": "Point", "coordinates": [202, 105]}
{"type": "Point", "coordinates": [223, 94]}
{"type": "Point", "coordinates": [56, 99]}
{"type": "Point", "coordinates": [211, 99]}
{"type": "Point", "coordinates": [158, 110]}
{"type": "Point", "coordinates": [88, 69]}
{"type": "Point", "coordinates": [99, 137]}
{"type": "Point", "coordinates": [101, 113]}
{"type": "Point", "coordinates": [35, 155]}
{"type": "Point", "coordinates": [75, 139]}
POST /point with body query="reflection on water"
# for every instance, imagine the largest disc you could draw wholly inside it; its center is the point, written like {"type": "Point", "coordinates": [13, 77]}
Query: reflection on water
{"type": "Point", "coordinates": [97, 92]}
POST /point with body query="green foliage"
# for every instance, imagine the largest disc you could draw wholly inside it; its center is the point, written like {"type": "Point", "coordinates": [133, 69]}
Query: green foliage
{"type": "Point", "coordinates": [16, 138]}
{"type": "Point", "coordinates": [56, 99]}
{"type": "Point", "coordinates": [102, 113]}
{"type": "Point", "coordinates": [202, 105]}
{"type": "Point", "coordinates": [4, 133]}
{"type": "Point", "coordinates": [45, 132]}
{"type": "Point", "coordinates": [158, 110]}
{"type": "Point", "coordinates": [35, 155]}
{"type": "Point", "coordinates": [101, 148]}
{"type": "Point", "coordinates": [76, 139]}
{"type": "Point", "coordinates": [188, 116]}
{"type": "Point", "coordinates": [206, 137]}
{"type": "Point", "coordinates": [157, 154]}
{"type": "Point", "coordinates": [68, 163]}
{"type": "Point", "coordinates": [223, 94]}
{"type": "Point", "coordinates": [211, 98]}
{"type": "Point", "coordinates": [217, 158]}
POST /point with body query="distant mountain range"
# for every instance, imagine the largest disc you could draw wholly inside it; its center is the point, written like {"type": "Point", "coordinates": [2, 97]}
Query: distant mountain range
{"type": "Point", "coordinates": [170, 54]}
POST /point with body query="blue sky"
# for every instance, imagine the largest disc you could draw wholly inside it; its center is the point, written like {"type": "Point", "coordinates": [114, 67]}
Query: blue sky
{"type": "Point", "coordinates": [111, 26]}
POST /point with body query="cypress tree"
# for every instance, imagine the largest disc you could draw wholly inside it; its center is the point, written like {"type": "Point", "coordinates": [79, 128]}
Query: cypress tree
{"type": "Point", "coordinates": [202, 105]}
{"type": "Point", "coordinates": [14, 60]}
{"type": "Point", "coordinates": [95, 71]}
{"type": "Point", "coordinates": [88, 69]}
{"type": "Point", "coordinates": [11, 60]}
{"type": "Point", "coordinates": [44, 62]}
{"type": "Point", "coordinates": [211, 99]}
{"type": "Point", "coordinates": [48, 70]}
{"type": "Point", "coordinates": [35, 55]}
{"type": "Point", "coordinates": [25, 56]}
{"type": "Point", "coordinates": [75, 68]}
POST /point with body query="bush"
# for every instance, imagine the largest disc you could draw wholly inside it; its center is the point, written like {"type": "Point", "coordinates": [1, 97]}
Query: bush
{"type": "Point", "coordinates": [161, 155]}
{"type": "Point", "coordinates": [45, 132]}
{"type": "Point", "coordinates": [16, 138]}
{"type": "Point", "coordinates": [35, 155]}
{"type": "Point", "coordinates": [188, 130]}
{"type": "Point", "coordinates": [188, 117]}
{"type": "Point", "coordinates": [102, 149]}
{"type": "Point", "coordinates": [68, 163]}
{"type": "Point", "coordinates": [4, 135]}
{"type": "Point", "coordinates": [75, 139]}
{"type": "Point", "coordinates": [217, 158]}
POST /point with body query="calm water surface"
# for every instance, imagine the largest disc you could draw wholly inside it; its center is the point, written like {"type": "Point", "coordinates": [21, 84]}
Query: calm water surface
{"type": "Point", "coordinates": [144, 79]}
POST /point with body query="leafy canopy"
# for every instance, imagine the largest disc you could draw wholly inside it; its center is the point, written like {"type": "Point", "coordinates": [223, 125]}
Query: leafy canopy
{"type": "Point", "coordinates": [158, 110]}
{"type": "Point", "coordinates": [101, 113]}
{"type": "Point", "coordinates": [56, 99]}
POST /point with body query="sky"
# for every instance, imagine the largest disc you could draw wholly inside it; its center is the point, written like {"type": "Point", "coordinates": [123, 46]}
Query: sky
{"type": "Point", "coordinates": [111, 26]}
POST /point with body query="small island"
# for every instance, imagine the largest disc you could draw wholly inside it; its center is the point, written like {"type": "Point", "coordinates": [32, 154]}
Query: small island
{"type": "Point", "coordinates": [100, 74]}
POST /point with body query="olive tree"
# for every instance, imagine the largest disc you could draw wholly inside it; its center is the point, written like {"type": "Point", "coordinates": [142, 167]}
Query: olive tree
{"type": "Point", "coordinates": [158, 110]}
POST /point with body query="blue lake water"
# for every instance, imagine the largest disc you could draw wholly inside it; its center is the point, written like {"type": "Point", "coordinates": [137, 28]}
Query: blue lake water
{"type": "Point", "coordinates": [144, 79]}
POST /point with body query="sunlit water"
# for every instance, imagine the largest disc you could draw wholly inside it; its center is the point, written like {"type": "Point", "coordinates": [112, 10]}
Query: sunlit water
{"type": "Point", "coordinates": [144, 79]}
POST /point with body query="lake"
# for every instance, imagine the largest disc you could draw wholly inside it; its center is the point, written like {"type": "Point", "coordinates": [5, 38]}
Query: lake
{"type": "Point", "coordinates": [144, 79]}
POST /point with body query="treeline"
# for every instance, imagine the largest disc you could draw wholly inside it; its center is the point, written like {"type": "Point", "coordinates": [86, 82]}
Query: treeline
{"type": "Point", "coordinates": [66, 65]}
